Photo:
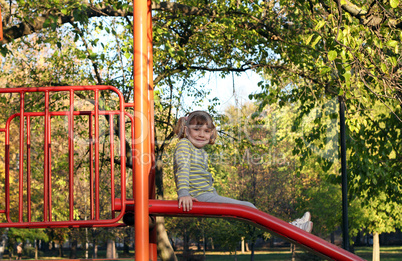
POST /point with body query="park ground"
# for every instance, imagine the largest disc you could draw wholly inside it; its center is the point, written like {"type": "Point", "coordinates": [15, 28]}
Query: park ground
{"type": "Point", "coordinates": [388, 253]}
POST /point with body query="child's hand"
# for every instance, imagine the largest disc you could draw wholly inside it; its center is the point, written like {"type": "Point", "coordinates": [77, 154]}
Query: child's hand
{"type": "Point", "coordinates": [187, 202]}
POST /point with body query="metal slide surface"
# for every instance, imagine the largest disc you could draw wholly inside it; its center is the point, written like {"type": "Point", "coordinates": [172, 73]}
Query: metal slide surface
{"type": "Point", "coordinates": [258, 218]}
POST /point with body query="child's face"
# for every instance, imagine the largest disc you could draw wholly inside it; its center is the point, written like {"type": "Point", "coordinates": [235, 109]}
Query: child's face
{"type": "Point", "coordinates": [199, 135]}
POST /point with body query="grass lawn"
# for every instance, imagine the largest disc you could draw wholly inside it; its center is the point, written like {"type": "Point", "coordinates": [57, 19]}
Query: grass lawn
{"type": "Point", "coordinates": [388, 253]}
{"type": "Point", "coordinates": [277, 254]}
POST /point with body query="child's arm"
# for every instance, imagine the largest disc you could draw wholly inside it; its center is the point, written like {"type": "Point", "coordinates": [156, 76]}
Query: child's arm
{"type": "Point", "coordinates": [187, 202]}
{"type": "Point", "coordinates": [182, 158]}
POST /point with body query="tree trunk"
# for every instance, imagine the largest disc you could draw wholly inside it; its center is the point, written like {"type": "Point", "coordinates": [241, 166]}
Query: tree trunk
{"type": "Point", "coordinates": [271, 242]}
{"type": "Point", "coordinates": [204, 249]}
{"type": "Point", "coordinates": [165, 250]}
{"type": "Point", "coordinates": [36, 249]}
{"type": "Point", "coordinates": [44, 246]}
{"type": "Point", "coordinates": [127, 241]}
{"type": "Point", "coordinates": [293, 251]}
{"type": "Point", "coordinates": [242, 245]}
{"type": "Point", "coordinates": [173, 243]}
{"type": "Point", "coordinates": [376, 246]}
{"type": "Point", "coordinates": [164, 247]}
{"type": "Point", "coordinates": [73, 250]}
{"type": "Point", "coordinates": [86, 244]}
{"type": "Point", "coordinates": [95, 250]}
{"type": "Point", "coordinates": [357, 240]}
{"type": "Point", "coordinates": [185, 243]}
{"type": "Point", "coordinates": [252, 251]}
{"type": "Point", "coordinates": [94, 243]}
{"type": "Point", "coordinates": [110, 249]}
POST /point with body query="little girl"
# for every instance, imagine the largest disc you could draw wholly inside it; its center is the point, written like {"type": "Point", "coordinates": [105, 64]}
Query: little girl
{"type": "Point", "coordinates": [194, 181]}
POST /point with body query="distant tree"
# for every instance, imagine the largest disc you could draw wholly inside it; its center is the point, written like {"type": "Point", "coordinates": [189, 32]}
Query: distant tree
{"type": "Point", "coordinates": [16, 235]}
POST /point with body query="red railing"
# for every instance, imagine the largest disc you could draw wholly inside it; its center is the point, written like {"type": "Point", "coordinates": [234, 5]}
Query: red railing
{"type": "Point", "coordinates": [24, 157]}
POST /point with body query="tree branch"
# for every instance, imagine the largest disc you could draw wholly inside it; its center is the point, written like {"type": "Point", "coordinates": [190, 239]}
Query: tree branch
{"type": "Point", "coordinates": [369, 19]}
{"type": "Point", "coordinates": [35, 25]}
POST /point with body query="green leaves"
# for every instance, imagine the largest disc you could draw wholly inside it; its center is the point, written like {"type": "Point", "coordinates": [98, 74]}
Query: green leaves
{"type": "Point", "coordinates": [332, 55]}
{"type": "Point", "coordinates": [313, 43]}
{"type": "Point", "coordinates": [320, 24]}
{"type": "Point", "coordinates": [64, 11]}
{"type": "Point", "coordinates": [347, 75]}
{"type": "Point", "coordinates": [392, 43]}
{"type": "Point", "coordinates": [317, 39]}
{"type": "Point", "coordinates": [384, 68]}
{"type": "Point", "coordinates": [394, 3]}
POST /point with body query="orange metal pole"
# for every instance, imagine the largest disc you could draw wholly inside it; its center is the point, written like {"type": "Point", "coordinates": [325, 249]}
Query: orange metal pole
{"type": "Point", "coordinates": [151, 103]}
{"type": "Point", "coordinates": [141, 139]}
{"type": "Point", "coordinates": [153, 251]}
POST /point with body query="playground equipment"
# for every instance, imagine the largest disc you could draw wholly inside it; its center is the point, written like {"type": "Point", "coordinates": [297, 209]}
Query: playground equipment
{"type": "Point", "coordinates": [108, 123]}
{"type": "Point", "coordinates": [19, 213]}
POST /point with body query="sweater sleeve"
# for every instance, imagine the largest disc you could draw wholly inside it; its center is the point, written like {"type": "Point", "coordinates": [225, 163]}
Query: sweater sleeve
{"type": "Point", "coordinates": [182, 159]}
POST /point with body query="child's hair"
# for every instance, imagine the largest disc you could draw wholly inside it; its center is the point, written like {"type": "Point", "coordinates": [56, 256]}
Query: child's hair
{"type": "Point", "coordinates": [196, 118]}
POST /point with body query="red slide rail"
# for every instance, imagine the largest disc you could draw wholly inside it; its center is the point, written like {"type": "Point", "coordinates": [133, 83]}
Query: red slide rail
{"type": "Point", "coordinates": [256, 217]}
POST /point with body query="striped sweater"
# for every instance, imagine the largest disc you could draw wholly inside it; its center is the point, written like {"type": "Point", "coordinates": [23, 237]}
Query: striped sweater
{"type": "Point", "coordinates": [191, 170]}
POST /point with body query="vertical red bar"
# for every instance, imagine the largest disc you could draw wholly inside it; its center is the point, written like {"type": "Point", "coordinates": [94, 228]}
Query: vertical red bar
{"type": "Point", "coordinates": [49, 138]}
{"type": "Point", "coordinates": [46, 161]}
{"type": "Point", "coordinates": [141, 164]}
{"type": "Point", "coordinates": [111, 135]}
{"type": "Point", "coordinates": [123, 152]}
{"type": "Point", "coordinates": [132, 156]}
{"type": "Point", "coordinates": [29, 168]}
{"type": "Point", "coordinates": [7, 173]}
{"type": "Point", "coordinates": [21, 160]}
{"type": "Point", "coordinates": [97, 214]}
{"type": "Point", "coordinates": [91, 167]}
{"type": "Point", "coordinates": [71, 154]}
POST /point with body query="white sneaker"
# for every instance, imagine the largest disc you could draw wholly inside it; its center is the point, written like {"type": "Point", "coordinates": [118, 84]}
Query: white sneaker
{"type": "Point", "coordinates": [306, 217]}
{"type": "Point", "coordinates": [304, 222]}
{"type": "Point", "coordinates": [308, 226]}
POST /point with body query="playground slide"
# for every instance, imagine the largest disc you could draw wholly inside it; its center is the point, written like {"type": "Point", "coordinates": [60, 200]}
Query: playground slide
{"type": "Point", "coordinates": [258, 218]}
